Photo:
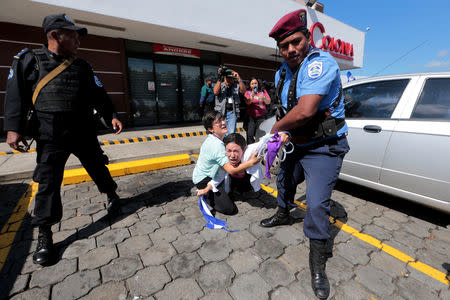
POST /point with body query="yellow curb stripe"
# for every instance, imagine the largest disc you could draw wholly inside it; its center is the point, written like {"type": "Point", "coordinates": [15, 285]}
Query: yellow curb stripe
{"type": "Point", "coordinates": [430, 271]}
{"type": "Point", "coordinates": [9, 230]}
{"type": "Point", "coordinates": [129, 167]}
{"type": "Point", "coordinates": [396, 253]}
{"type": "Point", "coordinates": [135, 140]}
{"type": "Point", "coordinates": [106, 143]}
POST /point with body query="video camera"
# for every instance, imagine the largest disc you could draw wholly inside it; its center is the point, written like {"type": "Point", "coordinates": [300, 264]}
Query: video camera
{"type": "Point", "coordinates": [223, 71]}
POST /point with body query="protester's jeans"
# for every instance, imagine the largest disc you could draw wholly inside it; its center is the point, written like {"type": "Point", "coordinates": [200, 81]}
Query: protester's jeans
{"type": "Point", "coordinates": [252, 127]}
{"type": "Point", "coordinates": [231, 121]}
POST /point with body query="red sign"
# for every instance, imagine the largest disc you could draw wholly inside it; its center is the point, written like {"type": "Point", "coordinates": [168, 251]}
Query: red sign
{"type": "Point", "coordinates": [336, 47]}
{"type": "Point", "coordinates": [178, 51]}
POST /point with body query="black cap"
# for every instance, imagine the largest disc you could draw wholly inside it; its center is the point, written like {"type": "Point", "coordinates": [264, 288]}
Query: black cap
{"type": "Point", "coordinates": [61, 21]}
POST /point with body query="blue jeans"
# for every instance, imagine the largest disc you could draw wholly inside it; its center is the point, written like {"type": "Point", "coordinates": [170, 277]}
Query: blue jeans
{"type": "Point", "coordinates": [319, 165]}
{"type": "Point", "coordinates": [231, 121]}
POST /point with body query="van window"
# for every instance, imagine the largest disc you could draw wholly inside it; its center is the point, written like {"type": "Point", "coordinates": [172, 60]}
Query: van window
{"type": "Point", "coordinates": [434, 101]}
{"type": "Point", "coordinates": [374, 100]}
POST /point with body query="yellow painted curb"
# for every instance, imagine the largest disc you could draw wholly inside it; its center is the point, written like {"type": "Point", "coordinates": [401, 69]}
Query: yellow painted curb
{"type": "Point", "coordinates": [9, 230]}
{"type": "Point", "coordinates": [430, 271]}
{"type": "Point", "coordinates": [130, 167]}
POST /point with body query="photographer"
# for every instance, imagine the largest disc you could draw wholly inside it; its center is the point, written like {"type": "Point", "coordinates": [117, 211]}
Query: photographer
{"type": "Point", "coordinates": [227, 95]}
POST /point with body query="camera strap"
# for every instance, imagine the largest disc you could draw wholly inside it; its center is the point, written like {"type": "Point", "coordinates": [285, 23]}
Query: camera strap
{"type": "Point", "coordinates": [279, 88]}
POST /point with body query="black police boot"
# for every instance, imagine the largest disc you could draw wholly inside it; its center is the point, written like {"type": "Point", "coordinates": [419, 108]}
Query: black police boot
{"type": "Point", "coordinates": [281, 217]}
{"type": "Point", "coordinates": [44, 254]}
{"type": "Point", "coordinates": [113, 203]}
{"type": "Point", "coordinates": [319, 252]}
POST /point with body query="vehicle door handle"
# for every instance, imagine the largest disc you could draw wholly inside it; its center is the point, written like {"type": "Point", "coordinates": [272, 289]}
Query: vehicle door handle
{"type": "Point", "coordinates": [372, 128]}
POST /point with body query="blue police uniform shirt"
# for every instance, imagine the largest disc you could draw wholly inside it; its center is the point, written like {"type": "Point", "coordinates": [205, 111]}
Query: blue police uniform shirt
{"type": "Point", "coordinates": [319, 75]}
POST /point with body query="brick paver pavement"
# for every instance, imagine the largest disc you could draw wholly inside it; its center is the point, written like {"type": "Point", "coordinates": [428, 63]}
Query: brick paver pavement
{"type": "Point", "coordinates": [159, 248]}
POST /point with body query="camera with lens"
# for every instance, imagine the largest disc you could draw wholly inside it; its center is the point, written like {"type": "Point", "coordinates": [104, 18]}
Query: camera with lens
{"type": "Point", "coordinates": [223, 71]}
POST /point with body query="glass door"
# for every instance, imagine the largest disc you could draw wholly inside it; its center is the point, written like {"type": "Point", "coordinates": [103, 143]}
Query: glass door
{"type": "Point", "coordinates": [167, 92]}
{"type": "Point", "coordinates": [191, 85]}
{"type": "Point", "coordinates": [142, 91]}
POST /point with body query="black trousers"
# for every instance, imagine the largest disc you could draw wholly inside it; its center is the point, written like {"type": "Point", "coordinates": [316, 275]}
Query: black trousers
{"type": "Point", "coordinates": [253, 124]}
{"type": "Point", "coordinates": [51, 159]}
{"type": "Point", "coordinates": [241, 185]}
{"type": "Point", "coordinates": [219, 200]}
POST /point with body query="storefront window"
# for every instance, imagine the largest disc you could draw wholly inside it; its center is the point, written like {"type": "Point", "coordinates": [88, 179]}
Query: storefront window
{"type": "Point", "coordinates": [142, 91]}
{"type": "Point", "coordinates": [167, 89]}
{"type": "Point", "coordinates": [191, 83]}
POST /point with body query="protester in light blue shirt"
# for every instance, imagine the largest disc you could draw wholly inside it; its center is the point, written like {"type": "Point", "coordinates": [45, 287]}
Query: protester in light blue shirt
{"type": "Point", "coordinates": [211, 158]}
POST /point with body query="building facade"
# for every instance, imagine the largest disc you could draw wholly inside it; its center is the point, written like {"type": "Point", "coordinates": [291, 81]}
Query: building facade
{"type": "Point", "coordinates": [153, 57]}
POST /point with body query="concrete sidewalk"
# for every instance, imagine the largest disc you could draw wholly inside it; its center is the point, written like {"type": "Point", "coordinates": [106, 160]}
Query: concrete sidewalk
{"type": "Point", "coordinates": [20, 166]}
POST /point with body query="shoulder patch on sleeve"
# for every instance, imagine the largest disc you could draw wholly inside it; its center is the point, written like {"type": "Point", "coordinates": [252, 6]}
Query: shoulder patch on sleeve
{"type": "Point", "coordinates": [22, 52]}
{"type": "Point", "coordinates": [11, 74]}
{"type": "Point", "coordinates": [315, 69]}
{"type": "Point", "coordinates": [97, 81]}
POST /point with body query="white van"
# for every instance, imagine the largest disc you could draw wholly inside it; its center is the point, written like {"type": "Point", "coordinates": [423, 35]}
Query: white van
{"type": "Point", "coordinates": [399, 136]}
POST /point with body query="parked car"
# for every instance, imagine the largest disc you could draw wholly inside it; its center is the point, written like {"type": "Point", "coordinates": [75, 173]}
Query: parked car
{"type": "Point", "coordinates": [399, 136]}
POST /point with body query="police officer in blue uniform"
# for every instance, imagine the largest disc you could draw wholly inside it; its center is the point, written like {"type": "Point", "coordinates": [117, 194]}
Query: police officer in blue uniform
{"type": "Point", "coordinates": [309, 89]}
{"type": "Point", "coordinates": [64, 121]}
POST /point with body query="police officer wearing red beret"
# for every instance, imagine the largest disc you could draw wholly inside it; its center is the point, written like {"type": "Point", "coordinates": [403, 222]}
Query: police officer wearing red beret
{"type": "Point", "coordinates": [65, 92]}
{"type": "Point", "coordinates": [310, 93]}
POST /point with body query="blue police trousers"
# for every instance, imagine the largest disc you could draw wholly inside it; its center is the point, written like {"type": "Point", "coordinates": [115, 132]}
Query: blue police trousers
{"type": "Point", "coordinates": [319, 165]}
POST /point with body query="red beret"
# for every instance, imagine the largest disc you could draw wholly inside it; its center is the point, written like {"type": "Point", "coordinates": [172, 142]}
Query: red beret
{"type": "Point", "coordinates": [288, 24]}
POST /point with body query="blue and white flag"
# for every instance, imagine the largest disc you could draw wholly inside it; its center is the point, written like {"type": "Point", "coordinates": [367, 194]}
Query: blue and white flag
{"type": "Point", "coordinates": [350, 77]}
{"type": "Point", "coordinates": [212, 222]}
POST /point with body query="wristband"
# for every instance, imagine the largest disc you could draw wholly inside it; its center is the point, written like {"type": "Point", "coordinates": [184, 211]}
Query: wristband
{"type": "Point", "coordinates": [285, 132]}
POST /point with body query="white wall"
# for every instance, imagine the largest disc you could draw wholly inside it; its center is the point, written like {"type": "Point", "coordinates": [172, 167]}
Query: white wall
{"type": "Point", "coordinates": [241, 24]}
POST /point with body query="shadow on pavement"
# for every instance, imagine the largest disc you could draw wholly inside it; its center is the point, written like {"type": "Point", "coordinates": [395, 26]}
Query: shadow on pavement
{"type": "Point", "coordinates": [337, 211]}
{"type": "Point", "coordinates": [446, 266]}
{"type": "Point", "coordinates": [10, 194]}
{"type": "Point", "coordinates": [258, 199]}
{"type": "Point", "coordinates": [158, 195]}
{"type": "Point", "coordinates": [11, 279]}
{"type": "Point", "coordinates": [402, 205]}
